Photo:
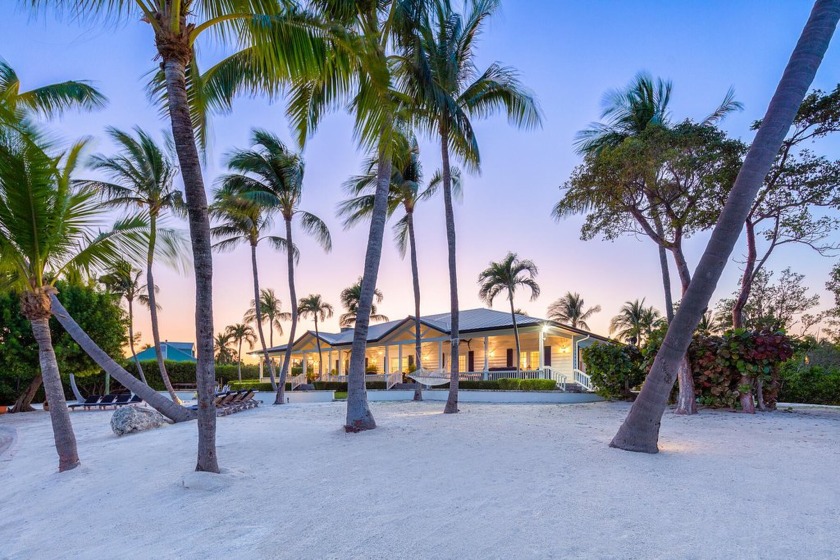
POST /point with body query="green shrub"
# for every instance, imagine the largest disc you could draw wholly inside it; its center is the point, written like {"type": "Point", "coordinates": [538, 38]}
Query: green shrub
{"type": "Point", "coordinates": [537, 385]}
{"type": "Point", "coordinates": [813, 384]}
{"type": "Point", "coordinates": [253, 384]}
{"type": "Point", "coordinates": [467, 384]}
{"type": "Point", "coordinates": [509, 384]}
{"type": "Point", "coordinates": [615, 369]}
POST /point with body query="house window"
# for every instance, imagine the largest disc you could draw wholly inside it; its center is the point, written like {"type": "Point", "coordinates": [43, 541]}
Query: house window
{"type": "Point", "coordinates": [509, 358]}
{"type": "Point", "coordinates": [547, 356]}
{"type": "Point", "coordinates": [471, 360]}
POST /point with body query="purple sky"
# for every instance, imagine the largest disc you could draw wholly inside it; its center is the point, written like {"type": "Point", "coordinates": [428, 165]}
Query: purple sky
{"type": "Point", "coordinates": [568, 53]}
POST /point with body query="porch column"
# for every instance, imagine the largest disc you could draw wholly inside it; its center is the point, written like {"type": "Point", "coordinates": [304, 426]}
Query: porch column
{"type": "Point", "coordinates": [328, 370]}
{"type": "Point", "coordinates": [440, 354]}
{"type": "Point", "coordinates": [262, 362]}
{"type": "Point", "coordinates": [303, 363]}
{"type": "Point", "coordinates": [542, 348]}
{"type": "Point", "coordinates": [386, 365]}
{"type": "Point", "coordinates": [484, 375]}
{"type": "Point", "coordinates": [399, 356]}
{"type": "Point", "coordinates": [340, 367]}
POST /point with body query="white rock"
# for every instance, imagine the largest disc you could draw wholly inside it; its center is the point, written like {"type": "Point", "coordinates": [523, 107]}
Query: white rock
{"type": "Point", "coordinates": [130, 419]}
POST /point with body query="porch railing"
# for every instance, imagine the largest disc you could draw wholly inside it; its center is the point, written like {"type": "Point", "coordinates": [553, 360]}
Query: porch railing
{"type": "Point", "coordinates": [513, 374]}
{"type": "Point", "coordinates": [345, 378]}
{"type": "Point", "coordinates": [297, 380]}
{"type": "Point", "coordinates": [558, 377]}
{"type": "Point", "coordinates": [584, 380]}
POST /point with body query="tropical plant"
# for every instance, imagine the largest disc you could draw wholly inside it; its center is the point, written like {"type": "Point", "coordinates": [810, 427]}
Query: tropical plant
{"type": "Point", "coordinates": [271, 310]}
{"type": "Point", "coordinates": [635, 322]}
{"type": "Point", "coordinates": [142, 176]}
{"type": "Point", "coordinates": [221, 347]}
{"type": "Point", "coordinates": [48, 101]}
{"type": "Point", "coordinates": [270, 176]}
{"type": "Point", "coordinates": [569, 310]}
{"type": "Point", "coordinates": [640, 430]}
{"type": "Point", "coordinates": [443, 78]}
{"type": "Point", "coordinates": [350, 298]}
{"type": "Point", "coordinates": [316, 308]}
{"type": "Point", "coordinates": [240, 333]}
{"type": "Point", "coordinates": [123, 280]}
{"type": "Point", "coordinates": [47, 225]}
{"type": "Point", "coordinates": [242, 220]}
{"type": "Point", "coordinates": [271, 45]}
{"type": "Point", "coordinates": [506, 276]}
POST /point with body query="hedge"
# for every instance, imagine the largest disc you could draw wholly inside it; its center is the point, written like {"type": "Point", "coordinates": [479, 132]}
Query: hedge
{"type": "Point", "coordinates": [810, 384]}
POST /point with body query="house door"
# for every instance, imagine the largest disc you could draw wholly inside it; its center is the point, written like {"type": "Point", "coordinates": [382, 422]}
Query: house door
{"type": "Point", "coordinates": [471, 360]}
{"type": "Point", "coordinates": [547, 356]}
{"type": "Point", "coordinates": [509, 358]}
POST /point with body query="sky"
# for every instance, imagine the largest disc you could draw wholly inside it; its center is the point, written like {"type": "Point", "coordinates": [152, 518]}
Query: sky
{"type": "Point", "coordinates": [568, 53]}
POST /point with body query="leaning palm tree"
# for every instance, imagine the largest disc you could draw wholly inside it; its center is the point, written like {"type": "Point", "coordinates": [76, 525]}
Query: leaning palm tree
{"type": "Point", "coordinates": [271, 310]}
{"type": "Point", "coordinates": [634, 322]}
{"type": "Point", "coordinates": [243, 221]}
{"type": "Point", "coordinates": [48, 101]}
{"type": "Point", "coordinates": [315, 307]}
{"type": "Point", "coordinates": [49, 225]}
{"type": "Point", "coordinates": [405, 192]}
{"type": "Point", "coordinates": [569, 309]}
{"type": "Point", "coordinates": [450, 90]}
{"type": "Point", "coordinates": [640, 430]}
{"type": "Point", "coordinates": [506, 276]}
{"type": "Point", "coordinates": [123, 280]}
{"type": "Point", "coordinates": [271, 176]}
{"type": "Point", "coordinates": [142, 176]}
{"type": "Point", "coordinates": [221, 347]}
{"type": "Point", "coordinates": [240, 333]}
{"type": "Point", "coordinates": [271, 45]}
{"type": "Point", "coordinates": [350, 298]}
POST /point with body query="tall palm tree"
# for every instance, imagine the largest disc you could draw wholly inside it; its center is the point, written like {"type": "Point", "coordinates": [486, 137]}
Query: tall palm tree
{"type": "Point", "coordinates": [405, 192]}
{"type": "Point", "coordinates": [443, 77]}
{"type": "Point", "coordinates": [315, 307]}
{"type": "Point", "coordinates": [142, 176]}
{"type": "Point", "coordinates": [123, 280]}
{"type": "Point", "coordinates": [271, 43]}
{"type": "Point", "coordinates": [271, 309]}
{"type": "Point", "coordinates": [506, 276]}
{"type": "Point", "coordinates": [48, 225]}
{"type": "Point", "coordinates": [640, 430]}
{"type": "Point", "coordinates": [350, 298]}
{"type": "Point", "coordinates": [569, 309]}
{"type": "Point", "coordinates": [240, 333]}
{"type": "Point", "coordinates": [271, 176]}
{"type": "Point", "coordinates": [634, 322]}
{"type": "Point", "coordinates": [221, 347]}
{"type": "Point", "coordinates": [48, 101]}
{"type": "Point", "coordinates": [243, 221]}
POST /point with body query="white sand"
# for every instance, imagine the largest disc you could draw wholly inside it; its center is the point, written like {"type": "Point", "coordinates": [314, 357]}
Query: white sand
{"type": "Point", "coordinates": [496, 481]}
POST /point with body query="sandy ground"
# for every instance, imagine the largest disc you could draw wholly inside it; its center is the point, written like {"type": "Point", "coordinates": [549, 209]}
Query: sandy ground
{"type": "Point", "coordinates": [496, 481]}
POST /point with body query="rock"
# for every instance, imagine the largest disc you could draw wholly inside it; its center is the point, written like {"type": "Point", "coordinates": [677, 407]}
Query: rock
{"type": "Point", "coordinates": [128, 419]}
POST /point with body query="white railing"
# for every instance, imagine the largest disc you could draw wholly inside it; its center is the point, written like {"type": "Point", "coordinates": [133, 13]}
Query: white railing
{"type": "Point", "coordinates": [392, 379]}
{"type": "Point", "coordinates": [297, 380]}
{"type": "Point", "coordinates": [513, 374]}
{"type": "Point", "coordinates": [555, 374]}
{"type": "Point", "coordinates": [584, 380]}
{"type": "Point", "coordinates": [345, 378]}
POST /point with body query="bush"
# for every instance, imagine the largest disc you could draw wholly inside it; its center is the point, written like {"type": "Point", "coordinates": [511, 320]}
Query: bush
{"type": "Point", "coordinates": [537, 385]}
{"type": "Point", "coordinates": [812, 376]}
{"type": "Point", "coordinates": [509, 384]}
{"type": "Point", "coordinates": [615, 369]}
{"type": "Point", "coordinates": [467, 384]}
{"type": "Point", "coordinates": [254, 385]}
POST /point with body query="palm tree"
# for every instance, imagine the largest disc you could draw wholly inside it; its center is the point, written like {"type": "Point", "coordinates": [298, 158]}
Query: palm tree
{"type": "Point", "coordinates": [506, 276]}
{"type": "Point", "coordinates": [244, 221]}
{"type": "Point", "coordinates": [48, 101]}
{"type": "Point", "coordinates": [123, 280]}
{"type": "Point", "coordinates": [350, 298]}
{"type": "Point", "coordinates": [569, 309]}
{"type": "Point", "coordinates": [143, 176]}
{"type": "Point", "coordinates": [640, 430]}
{"type": "Point", "coordinates": [271, 43]}
{"type": "Point", "coordinates": [404, 192]}
{"type": "Point", "coordinates": [240, 333]}
{"type": "Point", "coordinates": [271, 309]}
{"type": "Point", "coordinates": [271, 176]}
{"type": "Point", "coordinates": [634, 322]}
{"type": "Point", "coordinates": [313, 306]}
{"type": "Point", "coordinates": [443, 77]}
{"type": "Point", "coordinates": [47, 226]}
{"type": "Point", "coordinates": [221, 347]}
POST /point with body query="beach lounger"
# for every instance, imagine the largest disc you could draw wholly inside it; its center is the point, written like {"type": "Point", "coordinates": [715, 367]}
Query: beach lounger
{"type": "Point", "coordinates": [123, 400]}
{"type": "Point", "coordinates": [135, 400]}
{"type": "Point", "coordinates": [107, 400]}
{"type": "Point", "coordinates": [87, 403]}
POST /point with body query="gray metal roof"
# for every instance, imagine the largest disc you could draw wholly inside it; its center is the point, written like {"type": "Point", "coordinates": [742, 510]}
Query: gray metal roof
{"type": "Point", "coordinates": [471, 320]}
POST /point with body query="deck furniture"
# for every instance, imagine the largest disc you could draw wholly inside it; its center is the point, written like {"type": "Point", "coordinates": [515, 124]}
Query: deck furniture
{"type": "Point", "coordinates": [92, 400]}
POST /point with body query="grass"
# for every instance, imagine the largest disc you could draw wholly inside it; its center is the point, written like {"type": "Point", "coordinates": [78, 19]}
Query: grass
{"type": "Point", "coordinates": [341, 395]}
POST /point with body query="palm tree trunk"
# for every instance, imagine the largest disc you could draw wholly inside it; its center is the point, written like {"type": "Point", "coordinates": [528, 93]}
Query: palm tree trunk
{"type": "Point", "coordinates": [65, 439]}
{"type": "Point", "coordinates": [174, 65]}
{"type": "Point", "coordinates": [239, 361]}
{"type": "Point", "coordinates": [640, 430]}
{"type": "Point", "coordinates": [258, 311]}
{"type": "Point", "coordinates": [24, 402]}
{"type": "Point", "coordinates": [150, 283]}
{"type": "Point", "coordinates": [515, 331]}
{"type": "Point", "coordinates": [663, 259]}
{"type": "Point", "coordinates": [318, 343]}
{"type": "Point", "coordinates": [174, 412]}
{"type": "Point", "coordinates": [686, 399]}
{"type": "Point", "coordinates": [415, 281]}
{"type": "Point", "coordinates": [746, 278]}
{"type": "Point", "coordinates": [280, 398]}
{"type": "Point", "coordinates": [452, 400]}
{"type": "Point", "coordinates": [131, 341]}
{"type": "Point", "coordinates": [359, 417]}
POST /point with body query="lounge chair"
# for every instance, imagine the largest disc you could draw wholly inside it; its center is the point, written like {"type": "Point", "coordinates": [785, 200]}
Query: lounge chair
{"type": "Point", "coordinates": [135, 400]}
{"type": "Point", "coordinates": [107, 400]}
{"type": "Point", "coordinates": [123, 400]}
{"type": "Point", "coordinates": [87, 403]}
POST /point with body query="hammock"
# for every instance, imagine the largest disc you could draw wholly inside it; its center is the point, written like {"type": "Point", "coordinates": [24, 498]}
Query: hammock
{"type": "Point", "coordinates": [430, 378]}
